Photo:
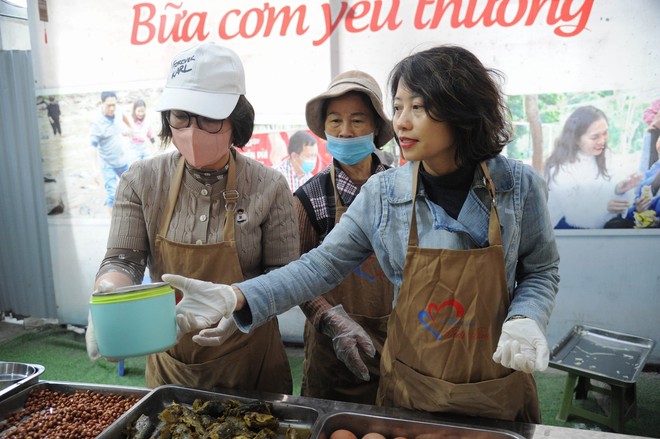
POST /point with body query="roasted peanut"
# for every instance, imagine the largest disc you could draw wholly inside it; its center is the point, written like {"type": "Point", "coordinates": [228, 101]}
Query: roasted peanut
{"type": "Point", "coordinates": [82, 414]}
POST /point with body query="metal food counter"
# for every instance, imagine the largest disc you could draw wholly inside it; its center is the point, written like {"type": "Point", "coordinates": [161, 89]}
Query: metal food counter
{"type": "Point", "coordinates": [311, 418]}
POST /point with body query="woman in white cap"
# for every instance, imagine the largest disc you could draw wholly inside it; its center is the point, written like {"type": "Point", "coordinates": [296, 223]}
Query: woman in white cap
{"type": "Point", "coordinates": [208, 212]}
{"type": "Point", "coordinates": [350, 116]}
{"type": "Point", "coordinates": [462, 232]}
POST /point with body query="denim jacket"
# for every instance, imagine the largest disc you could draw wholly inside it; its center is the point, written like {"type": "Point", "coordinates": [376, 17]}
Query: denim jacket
{"type": "Point", "coordinates": [378, 221]}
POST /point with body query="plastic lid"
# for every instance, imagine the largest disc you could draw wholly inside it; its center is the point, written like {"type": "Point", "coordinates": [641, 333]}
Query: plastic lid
{"type": "Point", "coordinates": [133, 292]}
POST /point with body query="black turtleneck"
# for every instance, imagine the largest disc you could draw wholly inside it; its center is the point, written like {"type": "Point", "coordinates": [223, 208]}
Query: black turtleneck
{"type": "Point", "coordinates": [448, 191]}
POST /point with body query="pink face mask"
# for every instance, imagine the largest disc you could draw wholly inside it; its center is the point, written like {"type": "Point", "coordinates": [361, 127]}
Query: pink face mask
{"type": "Point", "coordinates": [201, 149]}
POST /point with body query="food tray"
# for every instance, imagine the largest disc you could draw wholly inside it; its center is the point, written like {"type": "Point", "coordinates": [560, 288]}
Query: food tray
{"type": "Point", "coordinates": [32, 377]}
{"type": "Point", "coordinates": [361, 424]}
{"type": "Point", "coordinates": [290, 415]}
{"type": "Point", "coordinates": [611, 356]}
{"type": "Point", "coordinates": [16, 402]}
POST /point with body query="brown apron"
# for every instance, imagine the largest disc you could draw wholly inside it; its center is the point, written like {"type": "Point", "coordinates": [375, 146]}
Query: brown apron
{"type": "Point", "coordinates": [254, 361]}
{"type": "Point", "coordinates": [366, 295]}
{"type": "Point", "coordinates": [444, 330]}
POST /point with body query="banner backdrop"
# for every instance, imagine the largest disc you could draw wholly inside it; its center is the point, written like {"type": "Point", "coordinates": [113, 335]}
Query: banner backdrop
{"type": "Point", "coordinates": [556, 55]}
{"type": "Point", "coordinates": [288, 46]}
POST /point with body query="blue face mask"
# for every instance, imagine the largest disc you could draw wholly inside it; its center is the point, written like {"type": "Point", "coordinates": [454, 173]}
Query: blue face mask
{"type": "Point", "coordinates": [351, 150]}
{"type": "Point", "coordinates": [308, 165]}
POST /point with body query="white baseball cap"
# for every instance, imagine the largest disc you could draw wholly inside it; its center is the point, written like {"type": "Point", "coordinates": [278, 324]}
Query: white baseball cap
{"type": "Point", "coordinates": [206, 79]}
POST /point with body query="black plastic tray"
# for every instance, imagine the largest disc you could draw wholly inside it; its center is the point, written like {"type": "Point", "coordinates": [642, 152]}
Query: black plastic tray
{"type": "Point", "coordinates": [610, 356]}
{"type": "Point", "coordinates": [300, 417]}
{"type": "Point", "coordinates": [361, 424]}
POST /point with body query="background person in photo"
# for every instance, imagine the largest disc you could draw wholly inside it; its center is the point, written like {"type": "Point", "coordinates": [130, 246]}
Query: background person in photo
{"type": "Point", "coordinates": [54, 113]}
{"type": "Point", "coordinates": [107, 139]}
{"type": "Point", "coordinates": [141, 135]}
{"type": "Point", "coordinates": [645, 211]}
{"type": "Point", "coordinates": [582, 192]}
{"type": "Point", "coordinates": [299, 165]}
{"type": "Point", "coordinates": [651, 117]}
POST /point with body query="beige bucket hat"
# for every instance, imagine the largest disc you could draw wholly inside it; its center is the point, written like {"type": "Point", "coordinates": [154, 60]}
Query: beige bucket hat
{"type": "Point", "coordinates": [352, 80]}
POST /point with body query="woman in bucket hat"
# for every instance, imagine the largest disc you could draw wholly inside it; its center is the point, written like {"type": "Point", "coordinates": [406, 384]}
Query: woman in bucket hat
{"type": "Point", "coordinates": [208, 212]}
{"type": "Point", "coordinates": [350, 116]}
{"type": "Point", "coordinates": [462, 232]}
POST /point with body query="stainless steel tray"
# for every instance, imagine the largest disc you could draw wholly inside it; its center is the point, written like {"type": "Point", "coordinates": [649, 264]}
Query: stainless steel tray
{"type": "Point", "coordinates": [16, 402]}
{"type": "Point", "coordinates": [300, 417]}
{"type": "Point", "coordinates": [361, 424]}
{"type": "Point", "coordinates": [31, 376]}
{"type": "Point", "coordinates": [610, 356]}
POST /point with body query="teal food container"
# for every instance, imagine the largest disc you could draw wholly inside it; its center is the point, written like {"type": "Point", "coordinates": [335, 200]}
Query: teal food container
{"type": "Point", "coordinates": [135, 320]}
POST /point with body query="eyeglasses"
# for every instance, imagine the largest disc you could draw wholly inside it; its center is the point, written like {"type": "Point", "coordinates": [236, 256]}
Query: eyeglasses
{"type": "Point", "coordinates": [182, 119]}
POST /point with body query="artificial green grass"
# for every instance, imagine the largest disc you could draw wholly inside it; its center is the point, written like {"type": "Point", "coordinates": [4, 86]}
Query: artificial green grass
{"type": "Point", "coordinates": [62, 353]}
{"type": "Point", "coordinates": [64, 356]}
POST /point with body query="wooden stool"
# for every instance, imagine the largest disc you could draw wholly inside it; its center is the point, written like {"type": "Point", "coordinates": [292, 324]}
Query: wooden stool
{"type": "Point", "coordinates": [604, 362]}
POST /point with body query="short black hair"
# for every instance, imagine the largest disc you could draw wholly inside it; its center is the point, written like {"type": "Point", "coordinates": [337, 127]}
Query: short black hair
{"type": "Point", "coordinates": [241, 118]}
{"type": "Point", "coordinates": [459, 90]}
{"type": "Point", "coordinates": [298, 140]}
{"type": "Point", "coordinates": [108, 94]}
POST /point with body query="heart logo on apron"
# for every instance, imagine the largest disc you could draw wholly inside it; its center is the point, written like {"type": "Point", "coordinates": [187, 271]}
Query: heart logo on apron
{"type": "Point", "coordinates": [434, 309]}
{"type": "Point", "coordinates": [370, 269]}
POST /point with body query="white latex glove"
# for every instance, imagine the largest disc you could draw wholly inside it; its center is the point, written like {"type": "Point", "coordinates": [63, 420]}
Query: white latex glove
{"type": "Point", "coordinates": [348, 339]}
{"type": "Point", "coordinates": [90, 340]}
{"type": "Point", "coordinates": [203, 303]}
{"type": "Point", "coordinates": [185, 322]}
{"type": "Point", "coordinates": [522, 346]}
{"type": "Point", "coordinates": [105, 286]}
{"type": "Point", "coordinates": [218, 335]}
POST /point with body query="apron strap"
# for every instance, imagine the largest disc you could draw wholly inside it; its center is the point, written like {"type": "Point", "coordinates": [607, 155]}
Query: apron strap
{"type": "Point", "coordinates": [494, 232]}
{"type": "Point", "coordinates": [338, 201]}
{"type": "Point", "coordinates": [413, 239]}
{"type": "Point", "coordinates": [231, 196]}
